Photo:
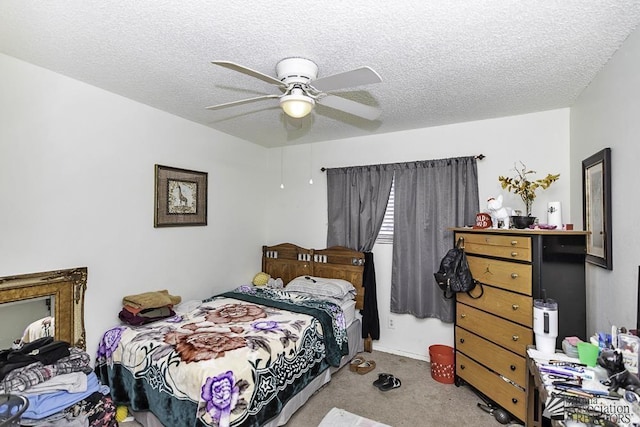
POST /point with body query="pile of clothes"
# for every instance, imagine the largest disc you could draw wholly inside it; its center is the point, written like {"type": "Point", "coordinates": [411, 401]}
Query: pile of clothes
{"type": "Point", "coordinates": [59, 383]}
{"type": "Point", "coordinates": [148, 307]}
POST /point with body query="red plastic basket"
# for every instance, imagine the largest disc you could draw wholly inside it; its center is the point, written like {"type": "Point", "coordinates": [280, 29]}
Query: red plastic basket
{"type": "Point", "coordinates": [442, 363]}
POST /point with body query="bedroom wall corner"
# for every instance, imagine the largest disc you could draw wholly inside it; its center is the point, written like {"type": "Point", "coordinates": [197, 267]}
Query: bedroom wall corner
{"type": "Point", "coordinates": [606, 115]}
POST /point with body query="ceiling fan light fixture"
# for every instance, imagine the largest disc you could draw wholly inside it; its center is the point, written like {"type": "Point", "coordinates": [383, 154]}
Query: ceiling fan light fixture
{"type": "Point", "coordinates": [297, 104]}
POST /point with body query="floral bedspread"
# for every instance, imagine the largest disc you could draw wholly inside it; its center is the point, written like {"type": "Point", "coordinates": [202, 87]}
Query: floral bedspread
{"type": "Point", "coordinates": [233, 361]}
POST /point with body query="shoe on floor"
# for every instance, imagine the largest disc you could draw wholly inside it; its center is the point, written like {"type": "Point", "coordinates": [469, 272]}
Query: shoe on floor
{"type": "Point", "coordinates": [382, 378]}
{"type": "Point", "coordinates": [391, 383]}
{"type": "Point", "coordinates": [353, 365]}
{"type": "Point", "coordinates": [366, 367]}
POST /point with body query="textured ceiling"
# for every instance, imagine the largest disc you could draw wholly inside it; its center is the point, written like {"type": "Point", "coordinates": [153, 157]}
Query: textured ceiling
{"type": "Point", "coordinates": [441, 61]}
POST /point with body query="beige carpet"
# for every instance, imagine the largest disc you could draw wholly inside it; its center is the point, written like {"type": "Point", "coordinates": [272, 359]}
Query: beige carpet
{"type": "Point", "coordinates": [420, 401]}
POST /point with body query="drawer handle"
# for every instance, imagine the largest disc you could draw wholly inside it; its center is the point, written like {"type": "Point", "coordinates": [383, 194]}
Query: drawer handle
{"type": "Point", "coordinates": [463, 315]}
{"type": "Point", "coordinates": [514, 254]}
{"type": "Point", "coordinates": [515, 307]}
{"type": "Point", "coordinates": [462, 340]}
{"type": "Point", "coordinates": [514, 242]}
{"type": "Point", "coordinates": [515, 337]}
{"type": "Point", "coordinates": [514, 400]}
{"type": "Point", "coordinates": [514, 275]}
{"type": "Point", "coordinates": [462, 367]}
{"type": "Point", "coordinates": [513, 367]}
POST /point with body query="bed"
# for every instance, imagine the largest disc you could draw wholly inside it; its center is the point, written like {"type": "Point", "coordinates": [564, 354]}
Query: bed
{"type": "Point", "coordinates": [251, 356]}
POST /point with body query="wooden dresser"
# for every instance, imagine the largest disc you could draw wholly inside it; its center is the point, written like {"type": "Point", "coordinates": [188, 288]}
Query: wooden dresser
{"type": "Point", "coordinates": [493, 332]}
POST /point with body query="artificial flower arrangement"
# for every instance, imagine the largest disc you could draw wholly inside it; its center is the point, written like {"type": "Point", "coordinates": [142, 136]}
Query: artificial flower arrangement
{"type": "Point", "coordinates": [525, 187]}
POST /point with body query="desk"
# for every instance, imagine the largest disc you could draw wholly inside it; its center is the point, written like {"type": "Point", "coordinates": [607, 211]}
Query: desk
{"type": "Point", "coordinates": [544, 397]}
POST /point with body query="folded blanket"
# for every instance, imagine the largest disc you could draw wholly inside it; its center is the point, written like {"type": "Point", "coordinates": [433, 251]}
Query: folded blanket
{"type": "Point", "coordinates": [152, 299]}
{"type": "Point", "coordinates": [137, 320]}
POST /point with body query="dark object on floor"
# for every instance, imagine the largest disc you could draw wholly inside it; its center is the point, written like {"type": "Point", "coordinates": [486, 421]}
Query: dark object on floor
{"type": "Point", "coordinates": [390, 383]}
{"type": "Point", "coordinates": [382, 378]}
{"type": "Point", "coordinates": [491, 408]}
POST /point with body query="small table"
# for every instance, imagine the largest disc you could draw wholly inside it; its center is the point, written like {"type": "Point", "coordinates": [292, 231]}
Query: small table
{"type": "Point", "coordinates": [578, 409]}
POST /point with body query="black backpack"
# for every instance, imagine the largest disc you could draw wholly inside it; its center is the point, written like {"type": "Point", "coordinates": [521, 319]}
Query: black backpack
{"type": "Point", "coordinates": [454, 275]}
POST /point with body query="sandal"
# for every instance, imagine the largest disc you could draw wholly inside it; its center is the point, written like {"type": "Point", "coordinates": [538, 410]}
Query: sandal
{"type": "Point", "coordinates": [382, 378]}
{"type": "Point", "coordinates": [366, 367]}
{"type": "Point", "coordinates": [392, 383]}
{"type": "Point", "coordinates": [353, 365]}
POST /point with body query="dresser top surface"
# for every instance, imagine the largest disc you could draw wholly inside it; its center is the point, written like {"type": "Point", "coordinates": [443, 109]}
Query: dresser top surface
{"type": "Point", "coordinates": [518, 231]}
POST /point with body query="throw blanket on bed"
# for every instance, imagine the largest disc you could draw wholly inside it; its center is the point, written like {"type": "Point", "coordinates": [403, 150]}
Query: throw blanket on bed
{"type": "Point", "coordinates": [329, 315]}
{"type": "Point", "coordinates": [233, 361]}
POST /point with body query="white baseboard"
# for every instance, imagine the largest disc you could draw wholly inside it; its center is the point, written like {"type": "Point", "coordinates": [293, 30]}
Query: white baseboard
{"type": "Point", "coordinates": [400, 353]}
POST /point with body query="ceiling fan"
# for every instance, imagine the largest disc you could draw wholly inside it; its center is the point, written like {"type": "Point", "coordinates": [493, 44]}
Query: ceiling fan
{"type": "Point", "coordinates": [301, 89]}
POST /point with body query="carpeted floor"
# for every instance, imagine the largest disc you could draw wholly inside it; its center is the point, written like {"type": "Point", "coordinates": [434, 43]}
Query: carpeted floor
{"type": "Point", "coordinates": [419, 401]}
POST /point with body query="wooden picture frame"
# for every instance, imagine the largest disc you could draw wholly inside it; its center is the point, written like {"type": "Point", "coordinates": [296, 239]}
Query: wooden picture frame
{"type": "Point", "coordinates": [596, 208]}
{"type": "Point", "coordinates": [180, 197]}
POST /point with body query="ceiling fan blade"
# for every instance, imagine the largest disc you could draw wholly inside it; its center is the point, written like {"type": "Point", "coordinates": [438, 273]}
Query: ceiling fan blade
{"type": "Point", "coordinates": [358, 77]}
{"type": "Point", "coordinates": [351, 107]}
{"type": "Point", "coordinates": [240, 102]}
{"type": "Point", "coordinates": [248, 71]}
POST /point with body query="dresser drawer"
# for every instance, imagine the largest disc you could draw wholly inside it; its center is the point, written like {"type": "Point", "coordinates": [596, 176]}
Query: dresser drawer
{"type": "Point", "coordinates": [512, 276]}
{"type": "Point", "coordinates": [508, 247]}
{"type": "Point", "coordinates": [507, 334]}
{"type": "Point", "coordinates": [508, 396]}
{"type": "Point", "coordinates": [492, 356]}
{"type": "Point", "coordinates": [515, 307]}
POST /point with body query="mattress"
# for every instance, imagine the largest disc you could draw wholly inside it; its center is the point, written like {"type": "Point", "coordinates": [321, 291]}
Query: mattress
{"type": "Point", "coordinates": [349, 309]}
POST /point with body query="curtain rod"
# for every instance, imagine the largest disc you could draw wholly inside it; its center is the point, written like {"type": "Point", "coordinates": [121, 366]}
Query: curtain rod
{"type": "Point", "coordinates": [479, 157]}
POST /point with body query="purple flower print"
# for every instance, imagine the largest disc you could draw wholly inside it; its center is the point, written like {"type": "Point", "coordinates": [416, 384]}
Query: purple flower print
{"type": "Point", "coordinates": [266, 325]}
{"type": "Point", "coordinates": [221, 396]}
{"type": "Point", "coordinates": [109, 342]}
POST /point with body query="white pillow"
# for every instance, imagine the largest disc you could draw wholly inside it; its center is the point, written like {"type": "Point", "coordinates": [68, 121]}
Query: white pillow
{"type": "Point", "coordinates": [320, 286]}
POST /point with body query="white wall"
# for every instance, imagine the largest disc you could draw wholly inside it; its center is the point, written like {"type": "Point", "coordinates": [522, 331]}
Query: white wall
{"type": "Point", "coordinates": [607, 115]}
{"type": "Point", "coordinates": [298, 213]}
{"type": "Point", "coordinates": [77, 189]}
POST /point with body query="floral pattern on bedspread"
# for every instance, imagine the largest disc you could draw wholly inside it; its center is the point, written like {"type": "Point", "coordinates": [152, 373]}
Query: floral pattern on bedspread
{"type": "Point", "coordinates": [235, 360]}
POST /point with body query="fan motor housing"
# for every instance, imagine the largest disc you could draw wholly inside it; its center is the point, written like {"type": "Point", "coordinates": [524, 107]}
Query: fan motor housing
{"type": "Point", "coordinates": [296, 70]}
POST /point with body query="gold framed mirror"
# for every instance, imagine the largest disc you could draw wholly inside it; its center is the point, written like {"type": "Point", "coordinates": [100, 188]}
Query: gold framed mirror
{"type": "Point", "coordinates": [30, 299]}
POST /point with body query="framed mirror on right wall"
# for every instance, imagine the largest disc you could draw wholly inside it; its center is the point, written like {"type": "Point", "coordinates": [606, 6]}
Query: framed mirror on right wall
{"type": "Point", "coordinates": [596, 208]}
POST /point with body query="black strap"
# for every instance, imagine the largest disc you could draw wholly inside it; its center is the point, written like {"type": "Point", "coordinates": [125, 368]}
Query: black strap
{"type": "Point", "coordinates": [478, 285]}
{"type": "Point", "coordinates": [449, 295]}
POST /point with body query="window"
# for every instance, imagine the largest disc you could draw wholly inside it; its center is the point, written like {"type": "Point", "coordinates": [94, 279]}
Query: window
{"type": "Point", "coordinates": [385, 235]}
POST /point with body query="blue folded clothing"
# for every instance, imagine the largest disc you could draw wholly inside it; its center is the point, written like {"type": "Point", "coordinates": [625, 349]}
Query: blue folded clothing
{"type": "Point", "coordinates": [42, 405]}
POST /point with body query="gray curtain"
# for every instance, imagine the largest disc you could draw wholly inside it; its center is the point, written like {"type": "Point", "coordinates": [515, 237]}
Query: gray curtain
{"type": "Point", "coordinates": [430, 197]}
{"type": "Point", "coordinates": [357, 199]}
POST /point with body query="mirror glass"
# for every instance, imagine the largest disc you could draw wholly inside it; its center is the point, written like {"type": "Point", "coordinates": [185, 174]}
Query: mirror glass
{"type": "Point", "coordinates": [43, 304]}
{"type": "Point", "coordinates": [24, 321]}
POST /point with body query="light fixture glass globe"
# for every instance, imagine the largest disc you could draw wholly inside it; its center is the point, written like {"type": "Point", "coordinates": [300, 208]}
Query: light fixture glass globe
{"type": "Point", "coordinates": [297, 104]}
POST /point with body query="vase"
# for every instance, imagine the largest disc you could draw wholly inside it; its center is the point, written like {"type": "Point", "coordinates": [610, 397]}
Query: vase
{"type": "Point", "coordinates": [522, 221]}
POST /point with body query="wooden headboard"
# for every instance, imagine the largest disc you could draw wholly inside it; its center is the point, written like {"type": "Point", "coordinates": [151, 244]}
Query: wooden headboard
{"type": "Point", "coordinates": [289, 261]}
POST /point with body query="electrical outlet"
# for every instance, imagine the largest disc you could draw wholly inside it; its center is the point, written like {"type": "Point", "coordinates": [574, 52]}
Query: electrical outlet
{"type": "Point", "coordinates": [391, 324]}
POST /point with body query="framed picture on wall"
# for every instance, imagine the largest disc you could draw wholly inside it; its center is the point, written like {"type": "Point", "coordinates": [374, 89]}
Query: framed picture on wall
{"type": "Point", "coordinates": [180, 197]}
{"type": "Point", "coordinates": [596, 207]}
